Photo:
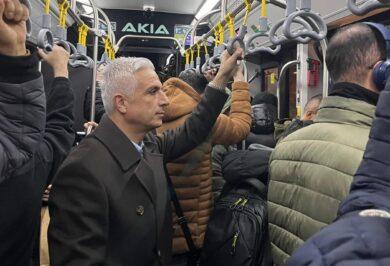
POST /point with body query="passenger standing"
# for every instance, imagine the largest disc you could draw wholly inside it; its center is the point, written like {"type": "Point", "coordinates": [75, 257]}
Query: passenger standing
{"type": "Point", "coordinates": [29, 150]}
{"type": "Point", "coordinates": [191, 174]}
{"type": "Point", "coordinates": [282, 130]}
{"type": "Point", "coordinates": [312, 169]}
{"type": "Point", "coordinates": [360, 235]}
{"type": "Point", "coordinates": [109, 203]}
{"type": "Point", "coordinates": [265, 112]}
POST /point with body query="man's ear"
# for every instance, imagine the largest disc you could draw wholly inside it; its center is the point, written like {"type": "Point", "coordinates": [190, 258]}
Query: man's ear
{"type": "Point", "coordinates": [120, 103]}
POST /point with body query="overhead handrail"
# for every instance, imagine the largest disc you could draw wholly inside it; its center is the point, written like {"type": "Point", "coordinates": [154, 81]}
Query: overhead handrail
{"type": "Point", "coordinates": [193, 32]}
{"type": "Point", "coordinates": [306, 14]}
{"type": "Point", "coordinates": [290, 9]}
{"type": "Point", "coordinates": [118, 44]}
{"type": "Point", "coordinates": [263, 32]}
{"type": "Point", "coordinates": [367, 6]}
{"type": "Point", "coordinates": [239, 39]}
{"type": "Point", "coordinates": [45, 38]}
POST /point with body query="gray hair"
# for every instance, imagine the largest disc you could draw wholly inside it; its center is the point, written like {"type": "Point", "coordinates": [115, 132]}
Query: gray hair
{"type": "Point", "coordinates": [118, 77]}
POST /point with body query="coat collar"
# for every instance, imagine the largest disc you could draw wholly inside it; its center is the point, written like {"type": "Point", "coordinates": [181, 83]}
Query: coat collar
{"type": "Point", "coordinates": [341, 110]}
{"type": "Point", "coordinates": [121, 148]}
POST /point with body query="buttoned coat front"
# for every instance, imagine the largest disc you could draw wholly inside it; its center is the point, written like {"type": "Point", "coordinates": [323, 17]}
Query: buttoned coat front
{"type": "Point", "coordinates": [109, 203]}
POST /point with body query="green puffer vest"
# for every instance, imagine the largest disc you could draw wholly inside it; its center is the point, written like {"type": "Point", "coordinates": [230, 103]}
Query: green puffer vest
{"type": "Point", "coordinates": [311, 171]}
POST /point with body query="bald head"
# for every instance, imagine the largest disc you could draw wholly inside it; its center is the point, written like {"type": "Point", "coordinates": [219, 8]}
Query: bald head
{"type": "Point", "coordinates": [352, 51]}
{"type": "Point", "coordinates": [311, 108]}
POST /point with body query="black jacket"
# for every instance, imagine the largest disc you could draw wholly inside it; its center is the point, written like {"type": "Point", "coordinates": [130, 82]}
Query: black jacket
{"type": "Point", "coordinates": [262, 128]}
{"type": "Point", "coordinates": [99, 107]}
{"type": "Point", "coordinates": [21, 190]}
{"type": "Point", "coordinates": [242, 164]}
{"type": "Point", "coordinates": [109, 205]}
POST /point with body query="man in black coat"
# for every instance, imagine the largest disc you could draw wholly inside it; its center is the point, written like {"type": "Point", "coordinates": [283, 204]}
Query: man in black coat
{"type": "Point", "coordinates": [35, 133]}
{"type": "Point", "coordinates": [109, 203]}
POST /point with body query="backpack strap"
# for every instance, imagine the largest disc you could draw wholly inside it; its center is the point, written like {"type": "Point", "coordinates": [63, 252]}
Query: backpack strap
{"type": "Point", "coordinates": [182, 220]}
{"type": "Point", "coordinates": [257, 184]}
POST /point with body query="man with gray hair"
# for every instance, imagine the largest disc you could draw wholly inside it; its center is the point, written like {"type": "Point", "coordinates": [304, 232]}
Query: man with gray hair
{"type": "Point", "coordinates": [109, 203]}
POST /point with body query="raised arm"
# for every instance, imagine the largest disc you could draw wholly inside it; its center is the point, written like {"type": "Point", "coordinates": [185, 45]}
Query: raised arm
{"type": "Point", "coordinates": [22, 99]}
{"type": "Point", "coordinates": [59, 134]}
{"type": "Point", "coordinates": [197, 127]}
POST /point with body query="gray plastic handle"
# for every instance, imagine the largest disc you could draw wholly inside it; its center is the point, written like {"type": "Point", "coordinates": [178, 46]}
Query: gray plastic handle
{"type": "Point", "coordinates": [251, 49]}
{"type": "Point", "coordinates": [81, 60]}
{"type": "Point", "coordinates": [231, 47]}
{"type": "Point", "coordinates": [367, 6]}
{"type": "Point", "coordinates": [198, 66]}
{"type": "Point", "coordinates": [283, 39]}
{"type": "Point", "coordinates": [63, 44]}
{"type": "Point", "coordinates": [215, 61]}
{"type": "Point", "coordinates": [73, 49]}
{"type": "Point", "coordinates": [45, 40]}
{"type": "Point", "coordinates": [305, 15]}
{"type": "Point", "coordinates": [205, 66]}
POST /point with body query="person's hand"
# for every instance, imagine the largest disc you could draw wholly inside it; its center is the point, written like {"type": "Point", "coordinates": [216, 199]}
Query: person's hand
{"type": "Point", "coordinates": [228, 67]}
{"type": "Point", "coordinates": [13, 17]}
{"type": "Point", "coordinates": [210, 74]}
{"type": "Point", "coordinates": [239, 75]}
{"type": "Point", "coordinates": [57, 59]}
{"type": "Point", "coordinates": [90, 126]}
{"type": "Point", "coordinates": [46, 194]}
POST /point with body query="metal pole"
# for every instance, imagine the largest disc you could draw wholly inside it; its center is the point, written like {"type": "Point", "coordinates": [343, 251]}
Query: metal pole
{"type": "Point", "coordinates": [281, 77]}
{"type": "Point", "coordinates": [234, 13]}
{"type": "Point", "coordinates": [193, 32]}
{"type": "Point", "coordinates": [149, 37]}
{"type": "Point", "coordinates": [95, 59]}
{"type": "Point", "coordinates": [223, 8]}
{"type": "Point", "coordinates": [73, 5]}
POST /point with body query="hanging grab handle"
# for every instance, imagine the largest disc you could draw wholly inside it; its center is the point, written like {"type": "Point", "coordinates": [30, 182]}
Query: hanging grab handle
{"type": "Point", "coordinates": [239, 40]}
{"type": "Point", "coordinates": [283, 39]}
{"type": "Point", "coordinates": [251, 49]}
{"type": "Point", "coordinates": [45, 39]}
{"type": "Point", "coordinates": [367, 6]}
{"type": "Point", "coordinates": [80, 59]}
{"type": "Point", "coordinates": [306, 14]}
{"type": "Point", "coordinates": [263, 32]}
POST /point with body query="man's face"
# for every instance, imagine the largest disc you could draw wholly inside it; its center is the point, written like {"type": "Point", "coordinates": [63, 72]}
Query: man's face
{"type": "Point", "coordinates": [145, 108]}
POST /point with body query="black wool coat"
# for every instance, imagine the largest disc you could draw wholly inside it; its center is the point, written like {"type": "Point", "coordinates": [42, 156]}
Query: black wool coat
{"type": "Point", "coordinates": [110, 205]}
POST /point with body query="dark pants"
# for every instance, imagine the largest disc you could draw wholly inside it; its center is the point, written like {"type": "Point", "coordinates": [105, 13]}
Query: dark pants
{"type": "Point", "coordinates": [179, 260]}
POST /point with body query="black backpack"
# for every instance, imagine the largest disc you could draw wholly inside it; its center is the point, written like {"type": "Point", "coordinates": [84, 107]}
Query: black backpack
{"type": "Point", "coordinates": [237, 232]}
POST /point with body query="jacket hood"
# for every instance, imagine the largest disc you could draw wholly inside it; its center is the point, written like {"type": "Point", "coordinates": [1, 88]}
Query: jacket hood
{"type": "Point", "coordinates": [182, 99]}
